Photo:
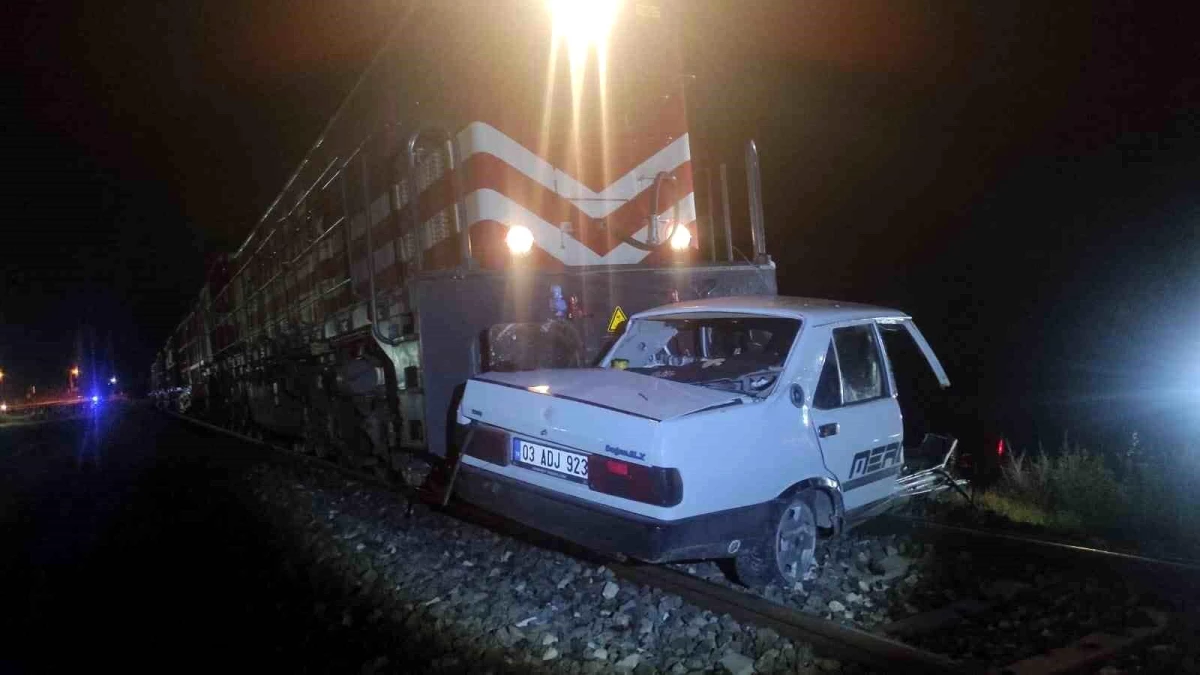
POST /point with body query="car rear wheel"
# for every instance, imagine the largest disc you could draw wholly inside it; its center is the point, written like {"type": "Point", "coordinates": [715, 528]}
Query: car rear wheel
{"type": "Point", "coordinates": [788, 552]}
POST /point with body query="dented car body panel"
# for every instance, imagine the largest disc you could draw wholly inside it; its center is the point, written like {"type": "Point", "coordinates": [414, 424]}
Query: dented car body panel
{"type": "Point", "coordinates": [626, 392]}
{"type": "Point", "coordinates": [700, 416]}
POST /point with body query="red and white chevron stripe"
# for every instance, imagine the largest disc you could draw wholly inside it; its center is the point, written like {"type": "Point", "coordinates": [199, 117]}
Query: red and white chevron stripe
{"type": "Point", "coordinates": [508, 185]}
{"type": "Point", "coordinates": [556, 196]}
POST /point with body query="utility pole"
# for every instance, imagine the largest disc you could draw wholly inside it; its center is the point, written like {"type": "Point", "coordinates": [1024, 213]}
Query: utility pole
{"type": "Point", "coordinates": [73, 380]}
{"type": "Point", "coordinates": [112, 361]}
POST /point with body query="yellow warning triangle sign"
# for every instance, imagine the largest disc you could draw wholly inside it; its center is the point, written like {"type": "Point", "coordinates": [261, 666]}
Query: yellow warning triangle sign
{"type": "Point", "coordinates": [618, 318]}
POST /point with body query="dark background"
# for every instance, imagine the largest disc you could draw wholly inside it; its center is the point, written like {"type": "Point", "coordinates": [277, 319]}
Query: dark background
{"type": "Point", "coordinates": [1022, 179]}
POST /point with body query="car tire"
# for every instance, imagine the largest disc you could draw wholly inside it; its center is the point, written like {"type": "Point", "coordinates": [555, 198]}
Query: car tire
{"type": "Point", "coordinates": [787, 552]}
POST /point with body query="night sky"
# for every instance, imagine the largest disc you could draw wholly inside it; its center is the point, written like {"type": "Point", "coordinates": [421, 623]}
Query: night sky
{"type": "Point", "coordinates": [1023, 180]}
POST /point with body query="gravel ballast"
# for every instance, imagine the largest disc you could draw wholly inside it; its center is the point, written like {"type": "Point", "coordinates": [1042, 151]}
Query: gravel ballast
{"type": "Point", "coordinates": [470, 599]}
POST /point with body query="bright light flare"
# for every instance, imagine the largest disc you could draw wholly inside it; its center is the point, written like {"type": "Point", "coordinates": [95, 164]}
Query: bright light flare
{"type": "Point", "coordinates": [519, 240]}
{"type": "Point", "coordinates": [583, 23]}
{"type": "Point", "coordinates": [681, 238]}
{"type": "Point", "coordinates": [112, 380]}
{"type": "Point", "coordinates": [583, 27]}
{"type": "Point", "coordinates": [540, 389]}
{"type": "Point", "coordinates": [3, 407]}
{"type": "Point", "coordinates": [95, 399]}
{"type": "Point", "coordinates": [75, 371]}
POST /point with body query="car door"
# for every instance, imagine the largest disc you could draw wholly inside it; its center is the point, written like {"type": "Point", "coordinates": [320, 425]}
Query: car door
{"type": "Point", "coordinates": [856, 416]}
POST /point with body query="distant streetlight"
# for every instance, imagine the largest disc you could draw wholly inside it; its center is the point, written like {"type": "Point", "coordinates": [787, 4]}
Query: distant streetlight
{"type": "Point", "coordinates": [112, 380]}
{"type": "Point", "coordinates": [75, 371]}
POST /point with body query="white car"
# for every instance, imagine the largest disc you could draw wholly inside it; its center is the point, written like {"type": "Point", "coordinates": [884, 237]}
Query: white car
{"type": "Point", "coordinates": [739, 427]}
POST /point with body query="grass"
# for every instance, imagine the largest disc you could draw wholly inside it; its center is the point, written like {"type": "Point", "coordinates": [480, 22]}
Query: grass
{"type": "Point", "coordinates": [1134, 496]}
{"type": "Point", "coordinates": [1020, 510]}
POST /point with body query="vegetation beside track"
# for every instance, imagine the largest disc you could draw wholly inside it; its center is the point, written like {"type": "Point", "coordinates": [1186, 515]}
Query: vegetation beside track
{"type": "Point", "coordinates": [1134, 496]}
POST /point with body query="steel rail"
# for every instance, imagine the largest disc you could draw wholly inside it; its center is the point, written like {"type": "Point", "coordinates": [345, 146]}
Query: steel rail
{"type": "Point", "coordinates": [1190, 566]}
{"type": "Point", "coordinates": [844, 642]}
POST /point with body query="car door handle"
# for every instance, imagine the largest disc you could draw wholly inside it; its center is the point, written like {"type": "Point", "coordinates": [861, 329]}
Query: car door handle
{"type": "Point", "coordinates": [827, 430]}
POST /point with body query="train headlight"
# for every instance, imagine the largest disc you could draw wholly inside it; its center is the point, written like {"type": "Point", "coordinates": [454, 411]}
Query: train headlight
{"type": "Point", "coordinates": [519, 240]}
{"type": "Point", "coordinates": [681, 238]}
{"type": "Point", "coordinates": [583, 23]}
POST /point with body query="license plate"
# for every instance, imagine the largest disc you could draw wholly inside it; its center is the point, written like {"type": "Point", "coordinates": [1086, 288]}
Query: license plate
{"type": "Point", "coordinates": [571, 465]}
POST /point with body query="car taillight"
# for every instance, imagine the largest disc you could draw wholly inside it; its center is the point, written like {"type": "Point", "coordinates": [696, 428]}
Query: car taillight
{"type": "Point", "coordinates": [490, 445]}
{"type": "Point", "coordinates": [616, 468]}
{"type": "Point", "coordinates": [646, 484]}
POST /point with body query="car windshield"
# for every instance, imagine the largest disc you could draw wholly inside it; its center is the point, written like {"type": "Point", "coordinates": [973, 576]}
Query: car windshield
{"type": "Point", "coordinates": [740, 353]}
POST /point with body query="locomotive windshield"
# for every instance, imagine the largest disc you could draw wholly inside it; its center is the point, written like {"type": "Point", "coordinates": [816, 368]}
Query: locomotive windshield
{"type": "Point", "coordinates": [739, 353]}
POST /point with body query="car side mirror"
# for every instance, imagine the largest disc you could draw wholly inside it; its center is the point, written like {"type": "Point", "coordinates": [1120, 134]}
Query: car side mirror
{"type": "Point", "coordinates": [797, 396]}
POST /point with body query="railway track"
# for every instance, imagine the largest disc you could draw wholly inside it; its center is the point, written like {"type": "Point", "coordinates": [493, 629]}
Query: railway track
{"type": "Point", "coordinates": [846, 643]}
{"type": "Point", "coordinates": [1044, 547]}
{"type": "Point", "coordinates": [883, 648]}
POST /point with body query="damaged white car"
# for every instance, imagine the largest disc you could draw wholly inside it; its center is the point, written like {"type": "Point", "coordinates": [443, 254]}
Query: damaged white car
{"type": "Point", "coordinates": [732, 427]}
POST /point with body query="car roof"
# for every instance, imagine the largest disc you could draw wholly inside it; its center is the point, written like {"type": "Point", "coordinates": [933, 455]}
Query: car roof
{"type": "Point", "coordinates": [814, 311]}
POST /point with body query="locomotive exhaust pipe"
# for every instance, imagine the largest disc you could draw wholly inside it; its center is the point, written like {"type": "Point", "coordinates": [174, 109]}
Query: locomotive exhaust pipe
{"type": "Point", "coordinates": [754, 187]}
{"type": "Point", "coordinates": [727, 221]}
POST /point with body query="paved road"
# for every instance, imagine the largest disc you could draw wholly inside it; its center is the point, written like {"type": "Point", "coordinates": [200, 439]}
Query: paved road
{"type": "Point", "coordinates": [127, 540]}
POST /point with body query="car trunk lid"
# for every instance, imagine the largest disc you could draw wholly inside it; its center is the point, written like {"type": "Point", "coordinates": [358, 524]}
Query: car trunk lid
{"type": "Point", "coordinates": [607, 412]}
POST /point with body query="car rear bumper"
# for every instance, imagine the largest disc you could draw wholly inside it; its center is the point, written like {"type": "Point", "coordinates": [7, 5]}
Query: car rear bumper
{"type": "Point", "coordinates": [610, 530]}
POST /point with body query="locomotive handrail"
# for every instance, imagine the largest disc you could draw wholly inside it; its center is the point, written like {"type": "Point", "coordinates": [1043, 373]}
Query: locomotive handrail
{"type": "Point", "coordinates": [464, 236]}
{"type": "Point", "coordinates": [373, 302]}
{"type": "Point", "coordinates": [248, 261]}
{"type": "Point", "coordinates": [348, 235]}
{"type": "Point", "coordinates": [388, 42]}
{"type": "Point", "coordinates": [653, 241]}
{"type": "Point", "coordinates": [320, 237]}
{"type": "Point", "coordinates": [335, 175]}
{"type": "Point", "coordinates": [304, 195]}
{"type": "Point", "coordinates": [315, 297]}
{"type": "Point", "coordinates": [414, 141]}
{"type": "Point", "coordinates": [337, 223]}
{"type": "Point", "coordinates": [312, 300]}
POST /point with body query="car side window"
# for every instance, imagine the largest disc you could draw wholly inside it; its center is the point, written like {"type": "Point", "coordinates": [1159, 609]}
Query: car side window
{"type": "Point", "coordinates": [829, 385]}
{"type": "Point", "coordinates": [859, 363]}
